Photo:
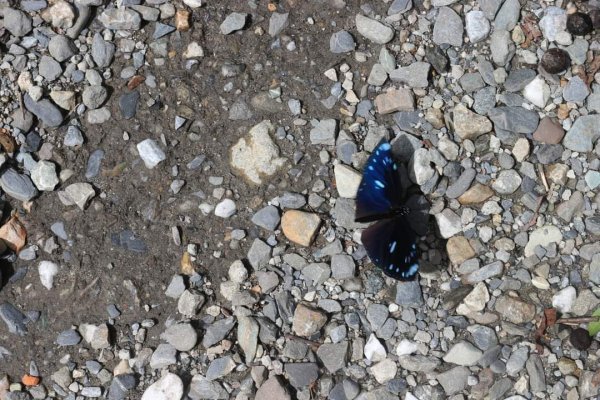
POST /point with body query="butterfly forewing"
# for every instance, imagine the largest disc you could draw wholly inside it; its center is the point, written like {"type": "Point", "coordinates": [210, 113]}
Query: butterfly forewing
{"type": "Point", "coordinates": [391, 245]}
{"type": "Point", "coordinates": [380, 190]}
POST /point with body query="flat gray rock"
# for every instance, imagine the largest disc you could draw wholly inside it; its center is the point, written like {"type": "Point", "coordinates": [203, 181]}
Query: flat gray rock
{"type": "Point", "coordinates": [448, 28]}
{"type": "Point", "coordinates": [18, 185]}
{"type": "Point", "coordinates": [44, 110]}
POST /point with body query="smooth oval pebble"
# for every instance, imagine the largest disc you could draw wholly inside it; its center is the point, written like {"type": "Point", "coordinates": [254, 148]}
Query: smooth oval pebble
{"type": "Point", "coordinates": [555, 60]}
{"type": "Point", "coordinates": [579, 24]}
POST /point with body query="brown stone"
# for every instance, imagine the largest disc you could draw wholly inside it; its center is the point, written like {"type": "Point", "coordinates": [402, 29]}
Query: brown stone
{"type": "Point", "coordinates": [459, 249]}
{"type": "Point", "coordinates": [395, 100]}
{"type": "Point", "coordinates": [549, 132]}
{"type": "Point", "coordinates": [300, 227]}
{"type": "Point", "coordinates": [557, 173]}
{"type": "Point", "coordinates": [182, 20]}
{"type": "Point", "coordinates": [476, 194]}
{"type": "Point", "coordinates": [273, 389]}
{"type": "Point", "coordinates": [515, 310]}
{"type": "Point", "coordinates": [467, 124]}
{"type": "Point", "coordinates": [308, 320]}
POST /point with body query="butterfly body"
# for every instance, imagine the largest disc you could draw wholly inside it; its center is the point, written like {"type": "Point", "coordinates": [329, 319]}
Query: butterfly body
{"type": "Point", "coordinates": [390, 242]}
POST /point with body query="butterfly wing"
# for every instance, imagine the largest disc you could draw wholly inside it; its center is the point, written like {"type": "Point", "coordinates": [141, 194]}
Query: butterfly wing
{"type": "Point", "coordinates": [380, 188]}
{"type": "Point", "coordinates": [391, 245]}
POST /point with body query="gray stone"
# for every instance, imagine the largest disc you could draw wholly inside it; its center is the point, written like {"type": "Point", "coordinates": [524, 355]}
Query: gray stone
{"type": "Point", "coordinates": [102, 51]}
{"type": "Point", "coordinates": [576, 90]}
{"type": "Point", "coordinates": [16, 22]}
{"type": "Point", "coordinates": [18, 185]}
{"type": "Point", "coordinates": [324, 132]}
{"type": "Point", "coordinates": [247, 336]}
{"type": "Point", "coordinates": [292, 200]}
{"type": "Point", "coordinates": [592, 225]}
{"type": "Point", "coordinates": [341, 42]}
{"type": "Point", "coordinates": [507, 17]}
{"type": "Point", "coordinates": [44, 175]}
{"type": "Point", "coordinates": [22, 120]}
{"type": "Point", "coordinates": [500, 45]}
{"type": "Point", "coordinates": [342, 266]}
{"type": "Point", "coordinates": [537, 378]}
{"type": "Point", "coordinates": [302, 375]}
{"type": "Point", "coordinates": [181, 336]}
{"type": "Point", "coordinates": [549, 153]}
{"type": "Point", "coordinates": [485, 100]}
{"type": "Point", "coordinates": [73, 137]}
{"type": "Point", "coordinates": [514, 119]}
{"type": "Point", "coordinates": [128, 104]}
{"type": "Point", "coordinates": [499, 388]}
{"type": "Point", "coordinates": [462, 183]}
{"type": "Point", "coordinates": [120, 386]}
{"type": "Point", "coordinates": [477, 26]}
{"type": "Point", "coordinates": [44, 110]}
{"type": "Point", "coordinates": [378, 75]}
{"type": "Point", "coordinates": [217, 331]}
{"type": "Point", "coordinates": [277, 23]}
{"type": "Point", "coordinates": [94, 96]}
{"type": "Point", "coordinates": [239, 111]}
{"type": "Point", "coordinates": [518, 79]}
{"type": "Point", "coordinates": [161, 30]}
{"type": "Point", "coordinates": [415, 75]}
{"type": "Point", "coordinates": [516, 361]}
{"type": "Point", "coordinates": [259, 254]}
{"type": "Point", "coordinates": [399, 7]}
{"type": "Point", "coordinates": [120, 19]}
{"type": "Point", "coordinates": [483, 336]}
{"type": "Point", "coordinates": [49, 68]}
{"type": "Point", "coordinates": [578, 51]}
{"type": "Point", "coordinates": [409, 294]}
{"type": "Point", "coordinates": [272, 389]}
{"type": "Point", "coordinates": [333, 355]}
{"type": "Point", "coordinates": [463, 353]}
{"type": "Point", "coordinates": [419, 363]}
{"type": "Point", "coordinates": [163, 356]}
{"type": "Point", "coordinates": [448, 28]}
{"type": "Point", "coordinates": [453, 380]}
{"type": "Point", "coordinates": [490, 8]}
{"type": "Point", "coordinates": [267, 218]}
{"type": "Point", "coordinates": [583, 134]}
{"type": "Point", "coordinates": [61, 48]}
{"type": "Point", "coordinates": [13, 318]}
{"type": "Point", "coordinates": [202, 388]}
{"type": "Point", "coordinates": [373, 30]}
{"type": "Point", "coordinates": [150, 153]}
{"type": "Point", "coordinates": [219, 368]}
{"type": "Point", "coordinates": [377, 315]}
{"type": "Point", "coordinates": [507, 182]}
{"type": "Point", "coordinates": [471, 82]}
{"type": "Point", "coordinates": [449, 223]}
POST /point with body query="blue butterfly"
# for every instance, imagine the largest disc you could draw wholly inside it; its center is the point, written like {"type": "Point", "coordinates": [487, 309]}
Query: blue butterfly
{"type": "Point", "coordinates": [390, 242]}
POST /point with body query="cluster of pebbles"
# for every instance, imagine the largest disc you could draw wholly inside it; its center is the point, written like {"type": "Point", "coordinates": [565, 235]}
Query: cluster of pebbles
{"type": "Point", "coordinates": [492, 106]}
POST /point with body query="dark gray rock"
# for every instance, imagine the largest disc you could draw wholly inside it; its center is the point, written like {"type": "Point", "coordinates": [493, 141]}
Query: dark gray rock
{"type": "Point", "coordinates": [514, 119]}
{"type": "Point", "coordinates": [128, 104]}
{"type": "Point", "coordinates": [267, 218]}
{"type": "Point", "coordinates": [13, 318]}
{"type": "Point", "coordinates": [18, 185]}
{"type": "Point", "coordinates": [217, 331]}
{"type": "Point", "coordinates": [70, 337]}
{"type": "Point", "coordinates": [302, 375]}
{"type": "Point", "coordinates": [94, 163]}
{"type": "Point", "coordinates": [518, 79]}
{"type": "Point", "coordinates": [44, 110]}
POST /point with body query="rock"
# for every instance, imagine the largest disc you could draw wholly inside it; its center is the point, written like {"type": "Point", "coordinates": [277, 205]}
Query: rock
{"type": "Point", "coordinates": [61, 48]}
{"type": "Point", "coordinates": [120, 19]}
{"type": "Point", "coordinates": [373, 30]}
{"type": "Point", "coordinates": [514, 119]}
{"type": "Point", "coordinates": [69, 337]}
{"type": "Point", "coordinates": [508, 182]}
{"type": "Point", "coordinates": [302, 375]}
{"type": "Point", "coordinates": [486, 272]}
{"type": "Point", "coordinates": [478, 193]}
{"type": "Point", "coordinates": [49, 68]}
{"type": "Point", "coordinates": [259, 254]}
{"type": "Point", "coordinates": [16, 22]}
{"type": "Point", "coordinates": [579, 24]}
{"type": "Point", "coordinates": [181, 336]}
{"type": "Point", "coordinates": [194, 50]}
{"type": "Point", "coordinates": [277, 23]}
{"type": "Point", "coordinates": [239, 111]}
{"type": "Point", "coordinates": [18, 186]}
{"type": "Point", "coordinates": [537, 378]}
{"type": "Point", "coordinates": [419, 363]}
{"type": "Point", "coordinates": [409, 294]}
{"type": "Point", "coordinates": [467, 124]}
{"type": "Point", "coordinates": [395, 100]}
{"type": "Point", "coordinates": [507, 17]}
{"type": "Point", "coordinates": [271, 389]}
{"type": "Point", "coordinates": [549, 132]}
{"type": "Point", "coordinates": [537, 92]}
{"type": "Point", "coordinates": [542, 237]}
{"type": "Point", "coordinates": [98, 116]}
{"type": "Point", "coordinates": [47, 271]}
{"type": "Point", "coordinates": [308, 321]}
{"type": "Point", "coordinates": [13, 318]}
{"type": "Point", "coordinates": [233, 22]}
{"type": "Point", "coordinates": [384, 371]}
{"type": "Point", "coordinates": [567, 209]}
{"type": "Point", "coordinates": [333, 355]}
{"type": "Point", "coordinates": [583, 134]}
{"type": "Point", "coordinates": [128, 103]}
{"type": "Point", "coordinates": [44, 175]}
{"type": "Point", "coordinates": [448, 223]}
{"type": "Point", "coordinates": [300, 227]}
{"type": "Point", "coordinates": [267, 218]}
{"type": "Point", "coordinates": [220, 367]}
{"type": "Point", "coordinates": [463, 353]}
{"type": "Point", "coordinates": [97, 336]}
{"type": "Point", "coordinates": [553, 23]}
{"type": "Point", "coordinates": [217, 331]}
{"type": "Point", "coordinates": [420, 170]}
{"type": "Point", "coordinates": [448, 28]}
{"type": "Point", "coordinates": [94, 96]}
{"type": "Point", "coordinates": [176, 287]}
{"type": "Point", "coordinates": [374, 350]}
{"type": "Point", "coordinates": [190, 302]}
{"type": "Point", "coordinates": [399, 7]}
{"type": "Point", "coordinates": [475, 301]}
{"type": "Point", "coordinates": [415, 75]}
{"type": "Point", "coordinates": [79, 194]}
{"type": "Point", "coordinates": [324, 132]}
{"type": "Point", "coordinates": [341, 42]}
{"type": "Point", "coordinates": [342, 266]}
{"type": "Point", "coordinates": [22, 119]}
{"type": "Point", "coordinates": [576, 90]}
{"type": "Point", "coordinates": [168, 387]}
{"type": "Point", "coordinates": [516, 361]}
{"type": "Point", "coordinates": [518, 79]}
{"type": "Point", "coordinates": [500, 45]}
{"type": "Point", "coordinates": [515, 310]}
{"type": "Point", "coordinates": [453, 380]}
{"type": "Point", "coordinates": [256, 156]}
{"type": "Point", "coordinates": [477, 26]}
{"type": "Point", "coordinates": [150, 153]}
{"type": "Point", "coordinates": [459, 250]}
{"type": "Point", "coordinates": [102, 51]}
{"type": "Point", "coordinates": [65, 99]}
{"type": "Point", "coordinates": [555, 61]}
{"type": "Point", "coordinates": [44, 110]}
{"type": "Point", "coordinates": [564, 299]}
{"type": "Point", "coordinates": [461, 185]}
{"type": "Point", "coordinates": [347, 181]}
{"type": "Point", "coordinates": [120, 386]}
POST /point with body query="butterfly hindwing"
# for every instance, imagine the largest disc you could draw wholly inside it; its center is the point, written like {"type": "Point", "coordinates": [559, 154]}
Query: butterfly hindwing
{"type": "Point", "coordinates": [380, 187]}
{"type": "Point", "coordinates": [391, 245]}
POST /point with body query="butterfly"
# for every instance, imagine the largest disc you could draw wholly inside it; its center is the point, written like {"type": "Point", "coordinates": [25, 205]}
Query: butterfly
{"type": "Point", "coordinates": [390, 242]}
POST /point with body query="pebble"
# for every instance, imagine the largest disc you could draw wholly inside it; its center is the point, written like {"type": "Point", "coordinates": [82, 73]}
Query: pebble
{"type": "Point", "coordinates": [98, 116]}
{"type": "Point", "coordinates": [448, 28]}
{"type": "Point", "coordinates": [500, 47]}
{"type": "Point", "coordinates": [17, 22]}
{"type": "Point", "coordinates": [69, 337]}
{"type": "Point", "coordinates": [308, 320]}
{"type": "Point", "coordinates": [79, 194]}
{"type": "Point", "coordinates": [44, 175]}
{"type": "Point", "coordinates": [277, 23]}
{"type": "Point", "coordinates": [563, 300]}
{"type": "Point", "coordinates": [233, 22]}
{"type": "Point", "coordinates": [415, 75]}
{"type": "Point", "coordinates": [467, 124]}
{"type": "Point", "coordinates": [302, 375]}
{"type": "Point", "coordinates": [463, 353]}
{"type": "Point", "coordinates": [181, 336]}
{"type": "Point", "coordinates": [395, 100]}
{"type": "Point", "coordinates": [324, 133]}
{"type": "Point", "coordinates": [333, 355]}
{"type": "Point", "coordinates": [47, 271]}
{"type": "Point", "coordinates": [515, 310]}
{"type": "Point", "coordinates": [454, 380]}
{"type": "Point", "coordinates": [163, 356]}
{"type": "Point", "coordinates": [579, 24]}
{"type": "Point", "coordinates": [508, 15]}
{"type": "Point", "coordinates": [73, 137]}
{"type": "Point", "coordinates": [94, 96]}
{"type": "Point", "coordinates": [347, 181]}
{"type": "Point", "coordinates": [477, 26]}
{"type": "Point", "coordinates": [583, 134]}
{"type": "Point", "coordinates": [576, 90]}
{"type": "Point", "coordinates": [384, 371]}
{"type": "Point", "coordinates": [120, 19]}
{"type": "Point", "coordinates": [61, 48]}
{"type": "Point", "coordinates": [128, 103]}
{"type": "Point", "coordinates": [44, 110]}
{"type": "Point", "coordinates": [168, 387]}
{"type": "Point", "coordinates": [537, 92]}
{"type": "Point", "coordinates": [300, 227]}
{"type": "Point", "coordinates": [341, 42]}
{"type": "Point", "coordinates": [373, 30]}
{"type": "Point", "coordinates": [150, 153]}
{"type": "Point", "coordinates": [449, 223]}
{"type": "Point", "coordinates": [225, 209]}
{"type": "Point", "coordinates": [18, 185]}
{"type": "Point", "coordinates": [555, 60]}
{"type": "Point", "coordinates": [271, 389]}
{"type": "Point", "coordinates": [267, 218]}
{"type": "Point", "coordinates": [102, 51]}
{"type": "Point", "coordinates": [507, 182]}
{"type": "Point", "coordinates": [247, 336]}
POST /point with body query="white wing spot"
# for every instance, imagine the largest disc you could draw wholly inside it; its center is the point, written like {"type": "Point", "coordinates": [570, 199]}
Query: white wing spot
{"type": "Point", "coordinates": [393, 246]}
{"type": "Point", "coordinates": [379, 184]}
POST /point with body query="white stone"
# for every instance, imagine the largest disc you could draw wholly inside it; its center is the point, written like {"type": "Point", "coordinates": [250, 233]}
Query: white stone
{"type": "Point", "coordinates": [44, 175]}
{"type": "Point", "coordinates": [47, 271]}
{"type": "Point", "coordinates": [384, 370]}
{"type": "Point", "coordinates": [347, 181]}
{"type": "Point", "coordinates": [225, 208]}
{"type": "Point", "coordinates": [169, 387]}
{"type": "Point", "coordinates": [542, 236]}
{"type": "Point", "coordinates": [463, 353]}
{"type": "Point", "coordinates": [563, 300]}
{"type": "Point", "coordinates": [406, 347]}
{"type": "Point", "coordinates": [420, 166]}
{"type": "Point", "coordinates": [477, 26]}
{"type": "Point", "coordinates": [374, 350]}
{"type": "Point", "coordinates": [537, 92]}
{"type": "Point", "coordinates": [256, 156]}
{"type": "Point", "coordinates": [373, 30]}
{"type": "Point", "coordinates": [238, 272]}
{"type": "Point", "coordinates": [79, 194]}
{"type": "Point", "coordinates": [150, 153]}
{"type": "Point", "coordinates": [193, 3]}
{"type": "Point", "coordinates": [521, 149]}
{"type": "Point", "coordinates": [475, 301]}
{"type": "Point", "coordinates": [193, 50]}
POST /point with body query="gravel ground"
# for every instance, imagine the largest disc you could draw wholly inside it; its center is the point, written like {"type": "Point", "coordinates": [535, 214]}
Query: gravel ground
{"type": "Point", "coordinates": [178, 182]}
